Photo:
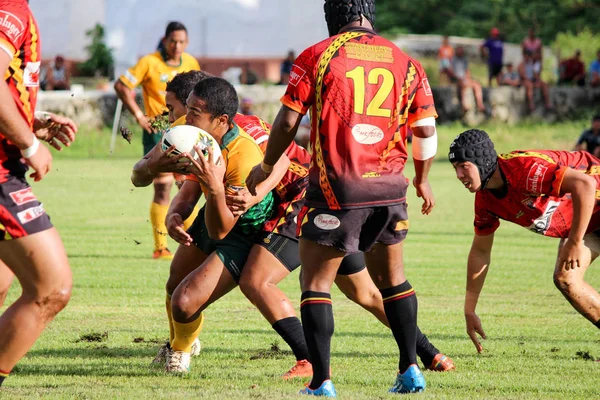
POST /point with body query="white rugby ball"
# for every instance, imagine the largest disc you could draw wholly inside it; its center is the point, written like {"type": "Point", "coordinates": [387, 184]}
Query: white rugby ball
{"type": "Point", "coordinates": [185, 137]}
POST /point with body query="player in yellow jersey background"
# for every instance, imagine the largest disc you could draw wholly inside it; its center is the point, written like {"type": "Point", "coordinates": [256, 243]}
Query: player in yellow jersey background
{"type": "Point", "coordinates": [152, 72]}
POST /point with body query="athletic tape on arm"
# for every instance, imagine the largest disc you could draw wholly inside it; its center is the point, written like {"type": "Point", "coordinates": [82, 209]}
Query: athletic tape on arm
{"type": "Point", "coordinates": [424, 148]}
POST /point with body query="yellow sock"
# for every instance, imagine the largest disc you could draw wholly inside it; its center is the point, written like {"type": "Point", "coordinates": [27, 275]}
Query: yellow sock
{"type": "Point", "coordinates": [170, 317]}
{"type": "Point", "coordinates": [158, 214]}
{"type": "Point", "coordinates": [188, 222]}
{"type": "Point", "coordinates": [185, 334]}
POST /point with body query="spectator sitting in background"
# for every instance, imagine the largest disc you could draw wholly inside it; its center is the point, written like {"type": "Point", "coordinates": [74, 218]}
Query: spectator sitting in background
{"type": "Point", "coordinates": [246, 106]}
{"type": "Point", "coordinates": [591, 138]}
{"type": "Point", "coordinates": [530, 71]}
{"type": "Point", "coordinates": [248, 76]}
{"type": "Point", "coordinates": [493, 50]}
{"type": "Point", "coordinates": [532, 44]}
{"type": "Point", "coordinates": [572, 70]}
{"type": "Point", "coordinates": [510, 77]}
{"type": "Point", "coordinates": [595, 71]}
{"type": "Point", "coordinates": [286, 68]}
{"type": "Point", "coordinates": [57, 76]}
{"type": "Point", "coordinates": [445, 55]}
{"type": "Point", "coordinates": [460, 74]}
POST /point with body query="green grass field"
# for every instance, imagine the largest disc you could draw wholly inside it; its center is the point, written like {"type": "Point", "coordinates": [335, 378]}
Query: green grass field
{"type": "Point", "coordinates": [537, 347]}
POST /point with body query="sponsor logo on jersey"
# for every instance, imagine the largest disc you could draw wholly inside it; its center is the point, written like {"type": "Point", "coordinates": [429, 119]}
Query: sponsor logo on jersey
{"type": "Point", "coordinates": [165, 77]}
{"type": "Point", "coordinates": [535, 177]}
{"type": "Point", "coordinates": [367, 134]}
{"type": "Point", "coordinates": [426, 87]}
{"type": "Point", "coordinates": [371, 175]}
{"type": "Point", "coordinates": [22, 196]}
{"type": "Point", "coordinates": [327, 222]}
{"type": "Point", "coordinates": [542, 223]}
{"type": "Point", "coordinates": [11, 25]}
{"type": "Point", "coordinates": [296, 75]}
{"type": "Point", "coordinates": [31, 75]}
{"type": "Point", "coordinates": [30, 214]}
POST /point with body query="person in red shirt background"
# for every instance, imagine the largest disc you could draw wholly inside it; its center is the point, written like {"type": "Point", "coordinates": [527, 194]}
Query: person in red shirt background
{"type": "Point", "coordinates": [364, 93]}
{"type": "Point", "coordinates": [30, 247]}
{"type": "Point", "coordinates": [553, 193]}
{"type": "Point", "coordinates": [572, 70]}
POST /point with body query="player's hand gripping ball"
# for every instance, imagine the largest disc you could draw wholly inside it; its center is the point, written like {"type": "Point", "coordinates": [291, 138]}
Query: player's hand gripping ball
{"type": "Point", "coordinates": [185, 137]}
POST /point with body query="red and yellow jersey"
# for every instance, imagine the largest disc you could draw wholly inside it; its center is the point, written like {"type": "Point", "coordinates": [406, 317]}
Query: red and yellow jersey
{"type": "Point", "coordinates": [153, 73]}
{"type": "Point", "coordinates": [294, 182]}
{"type": "Point", "coordinates": [364, 93]}
{"type": "Point", "coordinates": [532, 197]}
{"type": "Point", "coordinates": [291, 189]}
{"type": "Point", "coordinates": [19, 38]}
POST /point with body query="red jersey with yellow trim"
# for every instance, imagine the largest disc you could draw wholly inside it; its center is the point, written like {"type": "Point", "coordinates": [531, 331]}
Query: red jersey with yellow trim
{"type": "Point", "coordinates": [19, 38]}
{"type": "Point", "coordinates": [292, 187]}
{"type": "Point", "coordinates": [532, 199]}
{"type": "Point", "coordinates": [364, 93]}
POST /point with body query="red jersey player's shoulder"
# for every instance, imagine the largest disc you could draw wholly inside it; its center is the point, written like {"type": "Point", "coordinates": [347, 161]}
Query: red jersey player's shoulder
{"type": "Point", "coordinates": [14, 21]}
{"type": "Point", "coordinates": [255, 127]}
{"type": "Point", "coordinates": [535, 172]}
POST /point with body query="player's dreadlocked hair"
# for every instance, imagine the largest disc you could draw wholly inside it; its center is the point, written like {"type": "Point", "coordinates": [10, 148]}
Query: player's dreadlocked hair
{"type": "Point", "coordinates": [339, 13]}
{"type": "Point", "coordinates": [183, 84]}
{"type": "Point", "coordinates": [475, 146]}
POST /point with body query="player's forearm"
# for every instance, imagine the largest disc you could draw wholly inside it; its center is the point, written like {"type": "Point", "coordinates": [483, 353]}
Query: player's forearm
{"type": "Point", "coordinates": [127, 96]}
{"type": "Point", "coordinates": [12, 125]}
{"type": "Point", "coordinates": [184, 201]}
{"type": "Point", "coordinates": [279, 170]}
{"type": "Point", "coordinates": [282, 133]}
{"type": "Point", "coordinates": [584, 199]}
{"type": "Point", "coordinates": [142, 176]}
{"type": "Point", "coordinates": [477, 268]}
{"type": "Point", "coordinates": [219, 219]}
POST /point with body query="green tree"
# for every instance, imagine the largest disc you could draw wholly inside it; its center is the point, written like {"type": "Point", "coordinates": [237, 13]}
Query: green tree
{"type": "Point", "coordinates": [100, 61]}
{"type": "Point", "coordinates": [474, 18]}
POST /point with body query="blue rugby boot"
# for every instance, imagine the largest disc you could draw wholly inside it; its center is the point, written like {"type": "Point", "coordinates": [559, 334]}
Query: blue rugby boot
{"type": "Point", "coordinates": [326, 390]}
{"type": "Point", "coordinates": [411, 381]}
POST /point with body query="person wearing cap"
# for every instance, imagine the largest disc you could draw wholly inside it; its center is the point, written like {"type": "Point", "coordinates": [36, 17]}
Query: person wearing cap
{"type": "Point", "coordinates": [572, 70]}
{"type": "Point", "coordinates": [493, 49]}
{"type": "Point", "coordinates": [552, 193]}
{"type": "Point", "coordinates": [590, 138]}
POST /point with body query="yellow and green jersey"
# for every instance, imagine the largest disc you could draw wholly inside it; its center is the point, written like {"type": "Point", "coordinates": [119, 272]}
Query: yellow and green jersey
{"type": "Point", "coordinates": [241, 153]}
{"type": "Point", "coordinates": [153, 73]}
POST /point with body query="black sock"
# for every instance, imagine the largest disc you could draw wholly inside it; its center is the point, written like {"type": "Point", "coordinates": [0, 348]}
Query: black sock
{"type": "Point", "coordinates": [425, 349]}
{"type": "Point", "coordinates": [317, 319]}
{"type": "Point", "coordinates": [3, 376]}
{"type": "Point", "coordinates": [400, 304]}
{"type": "Point", "coordinates": [597, 324]}
{"type": "Point", "coordinates": [290, 330]}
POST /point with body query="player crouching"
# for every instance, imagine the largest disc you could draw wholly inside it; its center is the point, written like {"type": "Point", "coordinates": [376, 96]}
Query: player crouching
{"type": "Point", "coordinates": [553, 193]}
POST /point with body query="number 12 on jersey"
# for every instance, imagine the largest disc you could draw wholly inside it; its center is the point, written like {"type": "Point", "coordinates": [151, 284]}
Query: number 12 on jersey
{"type": "Point", "coordinates": [374, 108]}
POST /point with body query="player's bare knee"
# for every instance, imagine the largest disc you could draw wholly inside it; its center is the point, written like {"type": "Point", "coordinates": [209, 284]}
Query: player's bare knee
{"type": "Point", "coordinates": [54, 302]}
{"type": "Point", "coordinates": [564, 281]}
{"type": "Point", "coordinates": [250, 288]}
{"type": "Point", "coordinates": [181, 307]}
